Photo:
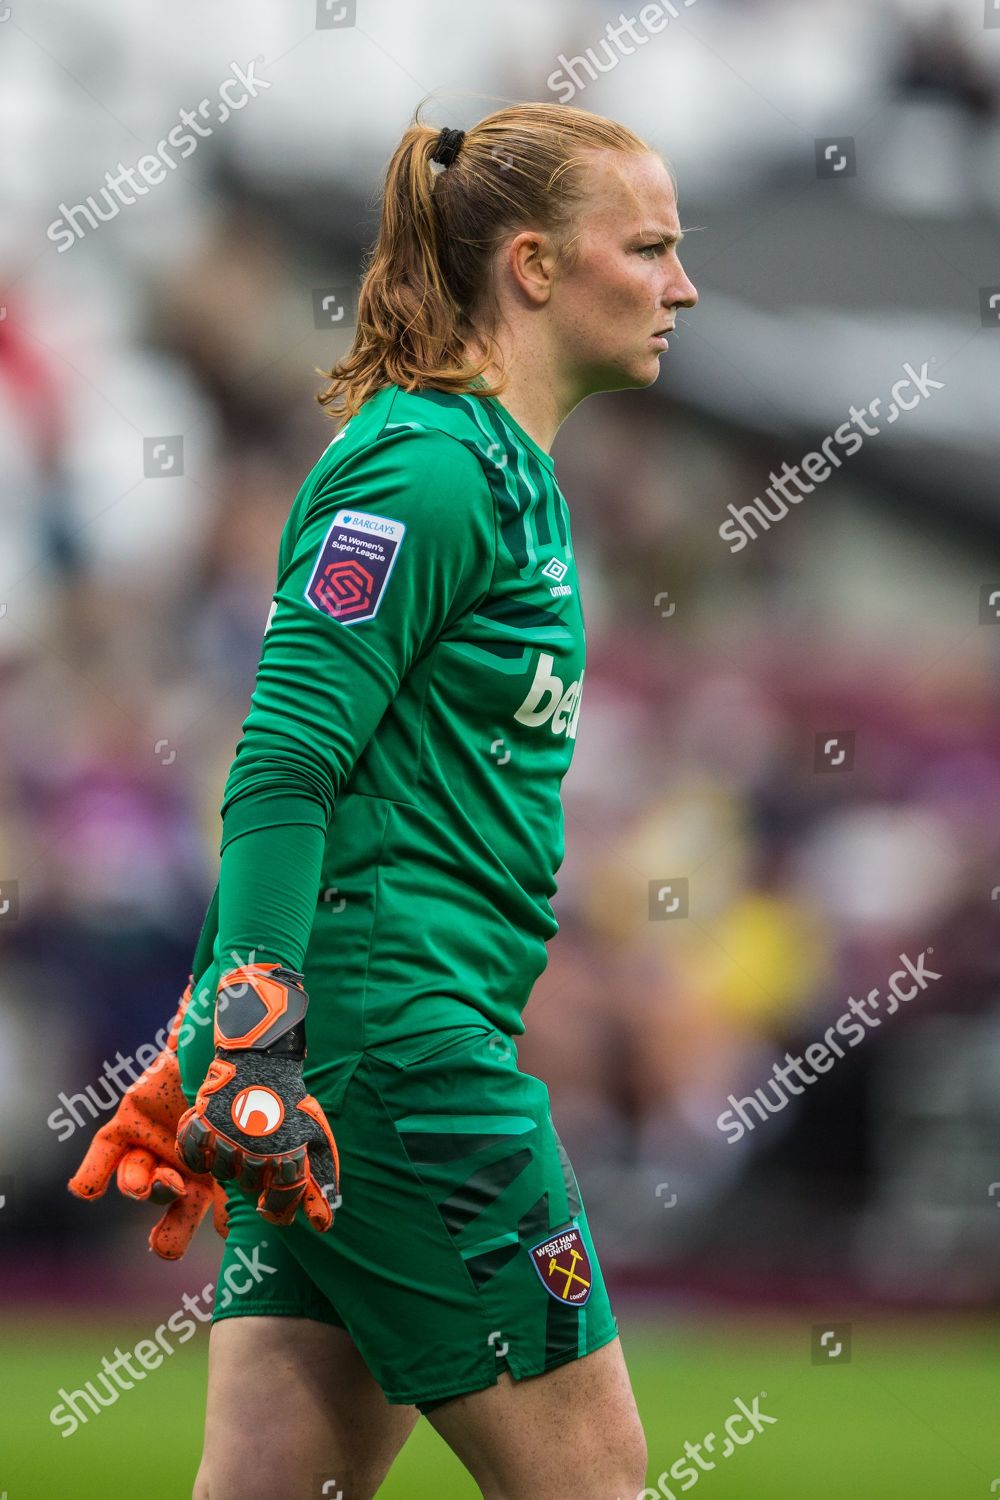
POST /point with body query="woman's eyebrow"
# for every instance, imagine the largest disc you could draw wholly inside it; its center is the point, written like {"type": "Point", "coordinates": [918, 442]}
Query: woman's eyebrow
{"type": "Point", "coordinates": [668, 236]}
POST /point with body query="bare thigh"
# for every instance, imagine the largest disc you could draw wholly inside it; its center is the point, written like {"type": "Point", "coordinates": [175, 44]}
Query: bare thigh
{"type": "Point", "coordinates": [571, 1434]}
{"type": "Point", "coordinates": [291, 1406]}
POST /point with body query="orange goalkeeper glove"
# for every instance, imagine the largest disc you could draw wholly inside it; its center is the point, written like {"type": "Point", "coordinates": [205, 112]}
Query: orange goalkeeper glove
{"type": "Point", "coordinates": [139, 1144]}
{"type": "Point", "coordinates": [253, 1120]}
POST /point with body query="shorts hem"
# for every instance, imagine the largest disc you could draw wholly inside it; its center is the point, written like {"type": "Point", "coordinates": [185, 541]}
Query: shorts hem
{"type": "Point", "coordinates": [278, 1310]}
{"type": "Point", "coordinates": [423, 1397]}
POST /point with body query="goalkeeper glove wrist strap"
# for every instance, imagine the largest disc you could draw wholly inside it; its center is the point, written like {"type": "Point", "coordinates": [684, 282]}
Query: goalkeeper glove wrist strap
{"type": "Point", "coordinates": [261, 1008]}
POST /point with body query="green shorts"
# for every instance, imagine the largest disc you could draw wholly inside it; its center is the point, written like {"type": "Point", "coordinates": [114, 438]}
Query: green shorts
{"type": "Point", "coordinates": [460, 1247]}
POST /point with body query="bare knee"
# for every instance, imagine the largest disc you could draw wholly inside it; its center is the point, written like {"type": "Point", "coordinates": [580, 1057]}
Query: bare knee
{"type": "Point", "coordinates": [230, 1477]}
{"type": "Point", "coordinates": [233, 1479]}
{"type": "Point", "coordinates": [243, 1469]}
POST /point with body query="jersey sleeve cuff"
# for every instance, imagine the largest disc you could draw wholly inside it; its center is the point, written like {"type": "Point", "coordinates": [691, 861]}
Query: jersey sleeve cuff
{"type": "Point", "coordinates": [268, 810]}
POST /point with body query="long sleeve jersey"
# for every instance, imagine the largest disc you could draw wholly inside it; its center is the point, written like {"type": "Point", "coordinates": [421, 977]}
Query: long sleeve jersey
{"type": "Point", "coordinates": [392, 819]}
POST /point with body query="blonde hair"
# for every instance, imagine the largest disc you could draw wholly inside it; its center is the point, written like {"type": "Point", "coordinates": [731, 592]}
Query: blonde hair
{"type": "Point", "coordinates": [428, 277]}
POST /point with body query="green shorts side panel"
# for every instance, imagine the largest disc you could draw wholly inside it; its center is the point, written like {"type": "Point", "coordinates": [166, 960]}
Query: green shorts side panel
{"type": "Point", "coordinates": [452, 1174]}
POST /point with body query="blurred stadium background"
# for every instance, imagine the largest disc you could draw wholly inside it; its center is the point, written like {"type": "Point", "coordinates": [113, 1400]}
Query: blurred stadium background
{"type": "Point", "coordinates": [133, 593]}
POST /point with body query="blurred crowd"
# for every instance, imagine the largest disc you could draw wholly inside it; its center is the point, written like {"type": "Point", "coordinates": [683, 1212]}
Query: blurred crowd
{"type": "Point", "coordinates": [132, 605]}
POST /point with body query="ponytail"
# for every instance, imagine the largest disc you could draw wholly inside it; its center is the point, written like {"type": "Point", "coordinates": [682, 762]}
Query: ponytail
{"type": "Point", "coordinates": [427, 288]}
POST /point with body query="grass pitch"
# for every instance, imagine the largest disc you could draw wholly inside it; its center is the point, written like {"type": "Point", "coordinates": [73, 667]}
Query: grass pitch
{"type": "Point", "coordinates": [914, 1413]}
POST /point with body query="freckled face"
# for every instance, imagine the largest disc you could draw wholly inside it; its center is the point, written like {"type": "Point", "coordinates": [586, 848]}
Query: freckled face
{"type": "Point", "coordinates": [627, 281]}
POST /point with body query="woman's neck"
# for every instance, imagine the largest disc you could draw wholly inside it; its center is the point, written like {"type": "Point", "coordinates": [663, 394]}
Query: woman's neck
{"type": "Point", "coordinates": [533, 394]}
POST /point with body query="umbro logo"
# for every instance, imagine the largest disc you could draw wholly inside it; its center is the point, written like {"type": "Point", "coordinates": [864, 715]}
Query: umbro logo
{"type": "Point", "coordinates": [557, 571]}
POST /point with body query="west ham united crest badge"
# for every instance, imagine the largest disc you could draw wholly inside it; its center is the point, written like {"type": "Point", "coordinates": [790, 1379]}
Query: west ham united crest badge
{"type": "Point", "coordinates": [354, 564]}
{"type": "Point", "coordinates": [563, 1265]}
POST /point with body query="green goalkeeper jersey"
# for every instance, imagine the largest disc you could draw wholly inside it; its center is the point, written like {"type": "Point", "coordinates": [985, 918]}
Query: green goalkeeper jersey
{"type": "Point", "coordinates": [417, 702]}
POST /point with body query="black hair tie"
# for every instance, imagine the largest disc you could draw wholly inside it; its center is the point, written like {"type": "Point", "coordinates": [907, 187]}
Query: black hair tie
{"type": "Point", "coordinates": [448, 145]}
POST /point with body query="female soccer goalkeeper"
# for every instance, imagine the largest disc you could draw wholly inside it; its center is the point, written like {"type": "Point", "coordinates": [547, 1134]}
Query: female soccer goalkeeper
{"type": "Point", "coordinates": [392, 828]}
